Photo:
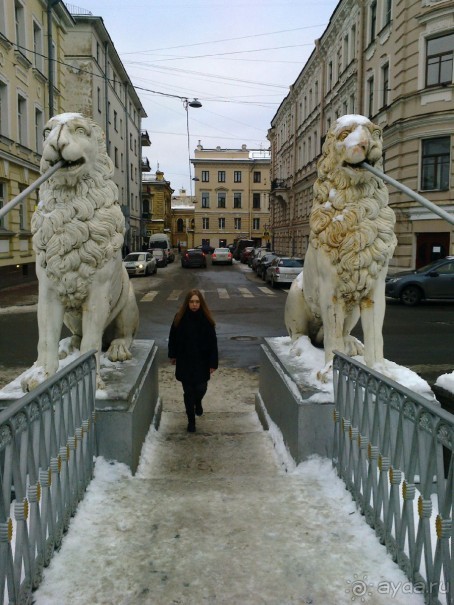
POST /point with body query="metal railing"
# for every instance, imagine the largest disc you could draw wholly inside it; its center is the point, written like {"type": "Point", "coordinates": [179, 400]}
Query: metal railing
{"type": "Point", "coordinates": [395, 451]}
{"type": "Point", "coordinates": [47, 448]}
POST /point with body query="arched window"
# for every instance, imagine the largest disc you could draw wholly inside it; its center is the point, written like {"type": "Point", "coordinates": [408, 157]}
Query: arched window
{"type": "Point", "coordinates": [180, 225]}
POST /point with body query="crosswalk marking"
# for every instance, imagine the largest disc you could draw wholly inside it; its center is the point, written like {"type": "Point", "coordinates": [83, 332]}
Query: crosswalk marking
{"type": "Point", "coordinates": [245, 293]}
{"type": "Point", "coordinates": [174, 295]}
{"type": "Point", "coordinates": [222, 293]}
{"type": "Point", "coordinates": [267, 291]}
{"type": "Point", "coordinates": [149, 296]}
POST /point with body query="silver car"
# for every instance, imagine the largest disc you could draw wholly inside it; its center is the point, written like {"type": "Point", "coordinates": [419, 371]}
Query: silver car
{"type": "Point", "coordinates": [140, 263]}
{"type": "Point", "coordinates": [221, 256]}
{"type": "Point", "coordinates": [283, 270]}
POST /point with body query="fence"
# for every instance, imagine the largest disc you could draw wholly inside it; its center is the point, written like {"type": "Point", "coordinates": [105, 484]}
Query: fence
{"type": "Point", "coordinates": [395, 451]}
{"type": "Point", "coordinates": [47, 445]}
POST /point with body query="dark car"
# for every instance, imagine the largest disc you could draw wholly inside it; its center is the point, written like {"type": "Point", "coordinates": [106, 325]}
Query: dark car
{"type": "Point", "coordinates": [240, 245]}
{"type": "Point", "coordinates": [264, 263]}
{"type": "Point", "coordinates": [434, 281]}
{"type": "Point", "coordinates": [194, 257]}
{"type": "Point", "coordinates": [160, 256]}
{"type": "Point", "coordinates": [206, 248]}
{"type": "Point", "coordinates": [245, 254]}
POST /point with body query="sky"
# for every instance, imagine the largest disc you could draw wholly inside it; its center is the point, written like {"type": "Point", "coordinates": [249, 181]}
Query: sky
{"type": "Point", "coordinates": [238, 58]}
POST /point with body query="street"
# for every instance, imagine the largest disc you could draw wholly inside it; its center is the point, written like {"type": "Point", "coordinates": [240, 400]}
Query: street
{"type": "Point", "coordinates": [247, 310]}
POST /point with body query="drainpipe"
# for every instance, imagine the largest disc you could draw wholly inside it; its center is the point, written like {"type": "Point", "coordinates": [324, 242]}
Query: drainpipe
{"type": "Point", "coordinates": [106, 93]}
{"type": "Point", "coordinates": [128, 176]}
{"type": "Point", "coordinates": [362, 46]}
{"type": "Point", "coordinates": [50, 55]}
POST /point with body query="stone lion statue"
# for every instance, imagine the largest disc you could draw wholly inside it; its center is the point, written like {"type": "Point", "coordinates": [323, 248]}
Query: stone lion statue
{"type": "Point", "coordinates": [350, 244]}
{"type": "Point", "coordinates": [78, 232]}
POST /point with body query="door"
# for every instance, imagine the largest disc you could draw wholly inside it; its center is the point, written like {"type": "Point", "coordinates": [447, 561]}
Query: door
{"type": "Point", "coordinates": [430, 247]}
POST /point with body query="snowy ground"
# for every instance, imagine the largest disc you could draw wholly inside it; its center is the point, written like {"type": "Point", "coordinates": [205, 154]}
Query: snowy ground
{"type": "Point", "coordinates": [221, 516]}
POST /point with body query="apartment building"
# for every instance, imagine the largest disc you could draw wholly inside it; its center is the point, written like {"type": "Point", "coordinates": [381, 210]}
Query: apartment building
{"type": "Point", "coordinates": [232, 195]}
{"type": "Point", "coordinates": [393, 62]}
{"type": "Point", "coordinates": [99, 86]}
{"type": "Point", "coordinates": [156, 205]}
{"type": "Point", "coordinates": [182, 223]}
{"type": "Point", "coordinates": [25, 84]}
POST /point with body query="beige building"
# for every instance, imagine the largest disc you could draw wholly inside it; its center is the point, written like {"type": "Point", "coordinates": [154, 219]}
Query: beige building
{"type": "Point", "coordinates": [25, 82]}
{"type": "Point", "coordinates": [182, 223]}
{"type": "Point", "coordinates": [99, 86]}
{"type": "Point", "coordinates": [232, 195]}
{"type": "Point", "coordinates": [392, 62]}
{"type": "Point", "coordinates": [156, 205]}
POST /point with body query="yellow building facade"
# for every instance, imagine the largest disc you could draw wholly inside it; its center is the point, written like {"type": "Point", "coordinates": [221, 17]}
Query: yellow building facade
{"type": "Point", "coordinates": [25, 83]}
{"type": "Point", "coordinates": [232, 195]}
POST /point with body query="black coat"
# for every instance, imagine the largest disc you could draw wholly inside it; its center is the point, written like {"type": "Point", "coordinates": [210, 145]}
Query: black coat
{"type": "Point", "coordinates": [193, 344]}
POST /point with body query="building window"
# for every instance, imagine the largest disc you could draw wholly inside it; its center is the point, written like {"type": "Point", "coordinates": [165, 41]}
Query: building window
{"type": "Point", "coordinates": [388, 12]}
{"type": "Point", "coordinates": [345, 52]}
{"type": "Point", "coordinates": [99, 99]}
{"type": "Point", "coordinates": [256, 224]}
{"type": "Point", "coordinates": [130, 141]}
{"type": "Point", "coordinates": [330, 75]}
{"type": "Point", "coordinates": [115, 121]}
{"type": "Point", "coordinates": [22, 120]}
{"type": "Point", "coordinates": [439, 60]}
{"type": "Point", "coordinates": [116, 157]}
{"type": "Point", "coordinates": [385, 84]}
{"type": "Point", "coordinates": [180, 225]}
{"type": "Point", "coordinates": [237, 176]}
{"type": "Point", "coordinates": [205, 176]}
{"type": "Point", "coordinates": [3, 109]}
{"type": "Point", "coordinates": [372, 21]}
{"type": "Point", "coordinates": [435, 162]}
{"type": "Point", "coordinates": [221, 199]}
{"type": "Point", "coordinates": [19, 17]}
{"type": "Point", "coordinates": [370, 96]}
{"type": "Point", "coordinates": [39, 127]}
{"type": "Point", "coordinates": [221, 223]}
{"type": "Point", "coordinates": [237, 224]}
{"type": "Point", "coordinates": [38, 47]}
{"type": "Point", "coordinates": [205, 223]}
{"type": "Point", "coordinates": [237, 199]}
{"type": "Point", "coordinates": [257, 177]}
{"type": "Point", "coordinates": [2, 203]}
{"type": "Point", "coordinates": [205, 199]}
{"type": "Point", "coordinates": [221, 176]}
{"type": "Point", "coordinates": [256, 201]}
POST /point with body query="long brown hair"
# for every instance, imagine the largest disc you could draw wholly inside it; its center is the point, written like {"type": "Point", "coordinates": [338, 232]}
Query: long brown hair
{"type": "Point", "coordinates": [185, 305]}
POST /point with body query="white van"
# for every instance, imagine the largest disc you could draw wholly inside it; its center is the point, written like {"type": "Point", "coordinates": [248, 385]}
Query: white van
{"type": "Point", "coordinates": [162, 241]}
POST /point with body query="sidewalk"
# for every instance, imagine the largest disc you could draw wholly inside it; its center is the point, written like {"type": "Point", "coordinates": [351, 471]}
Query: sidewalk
{"type": "Point", "coordinates": [214, 518]}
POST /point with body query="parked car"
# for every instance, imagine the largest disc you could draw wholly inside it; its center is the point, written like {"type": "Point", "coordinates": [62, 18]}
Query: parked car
{"type": "Point", "coordinates": [206, 248]}
{"type": "Point", "coordinates": [264, 263]}
{"type": "Point", "coordinates": [255, 259]}
{"type": "Point", "coordinates": [245, 253]}
{"type": "Point", "coordinates": [194, 257]}
{"type": "Point", "coordinates": [283, 270]}
{"type": "Point", "coordinates": [240, 245]}
{"type": "Point", "coordinates": [221, 256]}
{"type": "Point", "coordinates": [434, 281]}
{"type": "Point", "coordinates": [160, 256]}
{"type": "Point", "coordinates": [140, 263]}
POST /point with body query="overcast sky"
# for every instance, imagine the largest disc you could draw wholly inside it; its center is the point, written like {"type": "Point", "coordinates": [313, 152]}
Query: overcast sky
{"type": "Point", "coordinates": [238, 57]}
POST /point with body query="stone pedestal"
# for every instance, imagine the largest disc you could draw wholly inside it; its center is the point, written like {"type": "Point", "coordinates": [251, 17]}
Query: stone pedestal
{"type": "Point", "coordinates": [304, 418]}
{"type": "Point", "coordinates": [125, 414]}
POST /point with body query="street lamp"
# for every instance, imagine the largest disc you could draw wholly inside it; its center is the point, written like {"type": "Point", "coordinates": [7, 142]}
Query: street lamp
{"type": "Point", "coordinates": [196, 104]}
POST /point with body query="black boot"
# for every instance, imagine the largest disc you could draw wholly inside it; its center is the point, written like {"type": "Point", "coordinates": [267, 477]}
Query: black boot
{"type": "Point", "coordinates": [191, 426]}
{"type": "Point", "coordinates": [198, 408]}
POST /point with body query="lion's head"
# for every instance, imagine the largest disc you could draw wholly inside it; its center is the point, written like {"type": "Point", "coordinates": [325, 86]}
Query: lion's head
{"type": "Point", "coordinates": [78, 225]}
{"type": "Point", "coordinates": [80, 142]}
{"type": "Point", "coordinates": [350, 218]}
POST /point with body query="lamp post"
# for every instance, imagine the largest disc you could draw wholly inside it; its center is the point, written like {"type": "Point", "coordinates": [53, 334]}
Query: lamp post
{"type": "Point", "coordinates": [196, 104]}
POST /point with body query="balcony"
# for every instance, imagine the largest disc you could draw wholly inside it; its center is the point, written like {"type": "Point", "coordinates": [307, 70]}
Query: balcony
{"type": "Point", "coordinates": [279, 191]}
{"type": "Point", "coordinates": [144, 138]}
{"type": "Point", "coordinates": [146, 165]}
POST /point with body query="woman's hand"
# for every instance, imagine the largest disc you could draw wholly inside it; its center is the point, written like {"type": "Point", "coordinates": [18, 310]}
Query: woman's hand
{"type": "Point", "coordinates": [173, 361]}
{"type": "Point", "coordinates": [212, 370]}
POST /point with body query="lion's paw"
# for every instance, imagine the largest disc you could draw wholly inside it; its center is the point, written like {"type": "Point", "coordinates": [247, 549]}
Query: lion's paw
{"type": "Point", "coordinates": [353, 346]}
{"type": "Point", "coordinates": [326, 374]}
{"type": "Point", "coordinates": [118, 351]}
{"type": "Point", "coordinates": [32, 378]}
{"type": "Point", "coordinates": [66, 346]}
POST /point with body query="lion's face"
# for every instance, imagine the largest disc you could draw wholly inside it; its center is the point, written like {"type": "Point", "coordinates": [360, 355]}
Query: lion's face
{"type": "Point", "coordinates": [70, 137]}
{"type": "Point", "coordinates": [351, 140]}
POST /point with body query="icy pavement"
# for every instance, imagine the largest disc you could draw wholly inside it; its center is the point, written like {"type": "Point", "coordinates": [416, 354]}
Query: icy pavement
{"type": "Point", "coordinates": [220, 517]}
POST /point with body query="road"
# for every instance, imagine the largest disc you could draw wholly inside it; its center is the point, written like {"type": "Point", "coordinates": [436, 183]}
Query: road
{"type": "Point", "coordinates": [246, 311]}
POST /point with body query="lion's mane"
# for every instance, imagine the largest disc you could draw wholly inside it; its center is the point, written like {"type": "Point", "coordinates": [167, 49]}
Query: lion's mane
{"type": "Point", "coordinates": [77, 229]}
{"type": "Point", "coordinates": [352, 222]}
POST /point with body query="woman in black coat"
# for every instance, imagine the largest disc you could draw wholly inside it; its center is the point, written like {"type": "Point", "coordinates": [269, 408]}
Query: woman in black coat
{"type": "Point", "coordinates": [193, 349]}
